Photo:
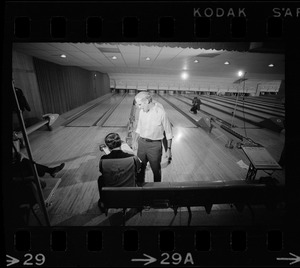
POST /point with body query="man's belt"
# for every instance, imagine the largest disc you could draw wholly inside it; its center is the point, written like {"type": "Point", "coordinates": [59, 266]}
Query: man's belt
{"type": "Point", "coordinates": [148, 140]}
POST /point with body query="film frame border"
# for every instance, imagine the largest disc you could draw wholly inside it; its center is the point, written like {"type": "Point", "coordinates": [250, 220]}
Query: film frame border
{"type": "Point", "coordinates": [258, 22]}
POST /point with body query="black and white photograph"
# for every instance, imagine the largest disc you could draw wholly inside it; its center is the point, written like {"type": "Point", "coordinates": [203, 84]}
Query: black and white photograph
{"type": "Point", "coordinates": [148, 134]}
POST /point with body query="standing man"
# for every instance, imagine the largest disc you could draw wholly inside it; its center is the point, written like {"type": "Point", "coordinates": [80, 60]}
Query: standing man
{"type": "Point", "coordinates": [152, 124]}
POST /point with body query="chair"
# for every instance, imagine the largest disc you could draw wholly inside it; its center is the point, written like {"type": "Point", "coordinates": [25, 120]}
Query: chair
{"type": "Point", "coordinates": [119, 172]}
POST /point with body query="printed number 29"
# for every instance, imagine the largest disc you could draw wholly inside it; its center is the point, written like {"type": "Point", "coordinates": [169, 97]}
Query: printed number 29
{"type": "Point", "coordinates": [39, 259]}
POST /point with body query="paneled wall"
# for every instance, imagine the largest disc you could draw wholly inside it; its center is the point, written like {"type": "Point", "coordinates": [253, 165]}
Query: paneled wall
{"type": "Point", "coordinates": [25, 78]}
{"type": "Point", "coordinates": [53, 88]}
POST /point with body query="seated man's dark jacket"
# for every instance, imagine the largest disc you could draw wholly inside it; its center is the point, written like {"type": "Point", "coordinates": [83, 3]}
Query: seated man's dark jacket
{"type": "Point", "coordinates": [118, 169]}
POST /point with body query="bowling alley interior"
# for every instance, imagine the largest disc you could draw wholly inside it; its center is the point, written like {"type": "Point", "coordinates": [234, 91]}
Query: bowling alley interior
{"type": "Point", "coordinates": [228, 157]}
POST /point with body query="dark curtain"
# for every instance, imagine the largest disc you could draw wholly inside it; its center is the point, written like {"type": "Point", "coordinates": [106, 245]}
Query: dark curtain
{"type": "Point", "coordinates": [63, 88]}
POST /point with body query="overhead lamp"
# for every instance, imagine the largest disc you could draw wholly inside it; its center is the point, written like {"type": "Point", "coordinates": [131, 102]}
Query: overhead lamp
{"type": "Point", "coordinates": [63, 56]}
{"type": "Point", "coordinates": [184, 75]}
{"type": "Point", "coordinates": [114, 57]}
{"type": "Point", "coordinates": [147, 58]}
{"type": "Point", "coordinates": [240, 73]}
{"type": "Point", "coordinates": [196, 61]}
{"type": "Point", "coordinates": [271, 65]}
{"type": "Point", "coordinates": [226, 63]}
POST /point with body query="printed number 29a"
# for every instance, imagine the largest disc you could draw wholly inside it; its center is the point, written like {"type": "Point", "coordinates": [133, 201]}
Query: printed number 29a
{"type": "Point", "coordinates": [39, 259]}
{"type": "Point", "coordinates": [176, 258]}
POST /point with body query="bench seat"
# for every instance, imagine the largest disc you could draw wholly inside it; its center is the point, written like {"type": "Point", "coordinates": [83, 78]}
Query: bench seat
{"type": "Point", "coordinates": [192, 194]}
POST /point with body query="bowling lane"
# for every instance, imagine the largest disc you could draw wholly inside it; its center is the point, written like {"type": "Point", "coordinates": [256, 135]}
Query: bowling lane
{"type": "Point", "coordinates": [209, 110]}
{"type": "Point", "coordinates": [176, 118]}
{"type": "Point", "coordinates": [184, 107]}
{"type": "Point", "coordinates": [90, 117]}
{"type": "Point", "coordinates": [252, 107]}
{"type": "Point", "coordinates": [240, 120]}
{"type": "Point", "coordinates": [259, 100]}
{"type": "Point", "coordinates": [255, 114]}
{"type": "Point", "coordinates": [271, 140]}
{"type": "Point", "coordinates": [238, 113]}
{"type": "Point", "coordinates": [120, 116]}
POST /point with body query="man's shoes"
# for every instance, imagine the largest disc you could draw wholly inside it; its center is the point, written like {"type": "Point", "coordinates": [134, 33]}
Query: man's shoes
{"type": "Point", "coordinates": [54, 170]}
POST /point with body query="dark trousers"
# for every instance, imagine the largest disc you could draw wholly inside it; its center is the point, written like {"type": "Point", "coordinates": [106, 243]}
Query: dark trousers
{"type": "Point", "coordinates": [152, 152]}
{"type": "Point", "coordinates": [194, 109]}
{"type": "Point", "coordinates": [23, 169]}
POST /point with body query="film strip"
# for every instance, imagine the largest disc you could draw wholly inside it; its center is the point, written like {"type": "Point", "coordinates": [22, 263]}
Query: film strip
{"type": "Point", "coordinates": [159, 21]}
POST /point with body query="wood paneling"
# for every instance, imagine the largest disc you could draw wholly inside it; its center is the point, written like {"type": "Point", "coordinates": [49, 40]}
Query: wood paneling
{"type": "Point", "coordinates": [25, 78]}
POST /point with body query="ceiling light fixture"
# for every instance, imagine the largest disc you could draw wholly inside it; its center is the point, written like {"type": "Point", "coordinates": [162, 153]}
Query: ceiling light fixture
{"type": "Point", "coordinates": [63, 56]}
{"type": "Point", "coordinates": [114, 57]}
{"type": "Point", "coordinates": [196, 61]}
{"type": "Point", "coordinates": [184, 75]}
{"type": "Point", "coordinates": [147, 58]}
{"type": "Point", "coordinates": [271, 65]}
{"type": "Point", "coordinates": [240, 73]}
{"type": "Point", "coordinates": [226, 63]}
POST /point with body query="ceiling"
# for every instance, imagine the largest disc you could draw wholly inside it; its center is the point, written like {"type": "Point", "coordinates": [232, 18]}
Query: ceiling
{"type": "Point", "coordinates": [166, 59]}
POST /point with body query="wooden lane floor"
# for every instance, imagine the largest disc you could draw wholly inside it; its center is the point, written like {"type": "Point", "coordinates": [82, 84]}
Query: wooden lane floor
{"type": "Point", "coordinates": [241, 113]}
{"type": "Point", "coordinates": [77, 194]}
{"type": "Point", "coordinates": [78, 111]}
{"type": "Point", "coordinates": [265, 108]}
{"type": "Point", "coordinates": [92, 116]}
{"type": "Point", "coordinates": [176, 118]}
{"type": "Point", "coordinates": [272, 141]}
{"type": "Point", "coordinates": [257, 110]}
{"type": "Point", "coordinates": [183, 106]}
{"type": "Point", "coordinates": [265, 100]}
{"type": "Point", "coordinates": [197, 156]}
{"type": "Point", "coordinates": [120, 116]}
{"type": "Point", "coordinates": [186, 105]}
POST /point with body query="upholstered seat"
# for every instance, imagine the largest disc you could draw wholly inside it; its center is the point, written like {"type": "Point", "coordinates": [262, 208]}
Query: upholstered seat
{"type": "Point", "coordinates": [119, 172]}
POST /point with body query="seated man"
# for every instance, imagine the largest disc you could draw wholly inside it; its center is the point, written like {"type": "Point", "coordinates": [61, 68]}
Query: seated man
{"type": "Point", "coordinates": [118, 168]}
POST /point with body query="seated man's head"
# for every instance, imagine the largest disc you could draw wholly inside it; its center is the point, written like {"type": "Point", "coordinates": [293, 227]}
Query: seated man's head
{"type": "Point", "coordinates": [113, 140]}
